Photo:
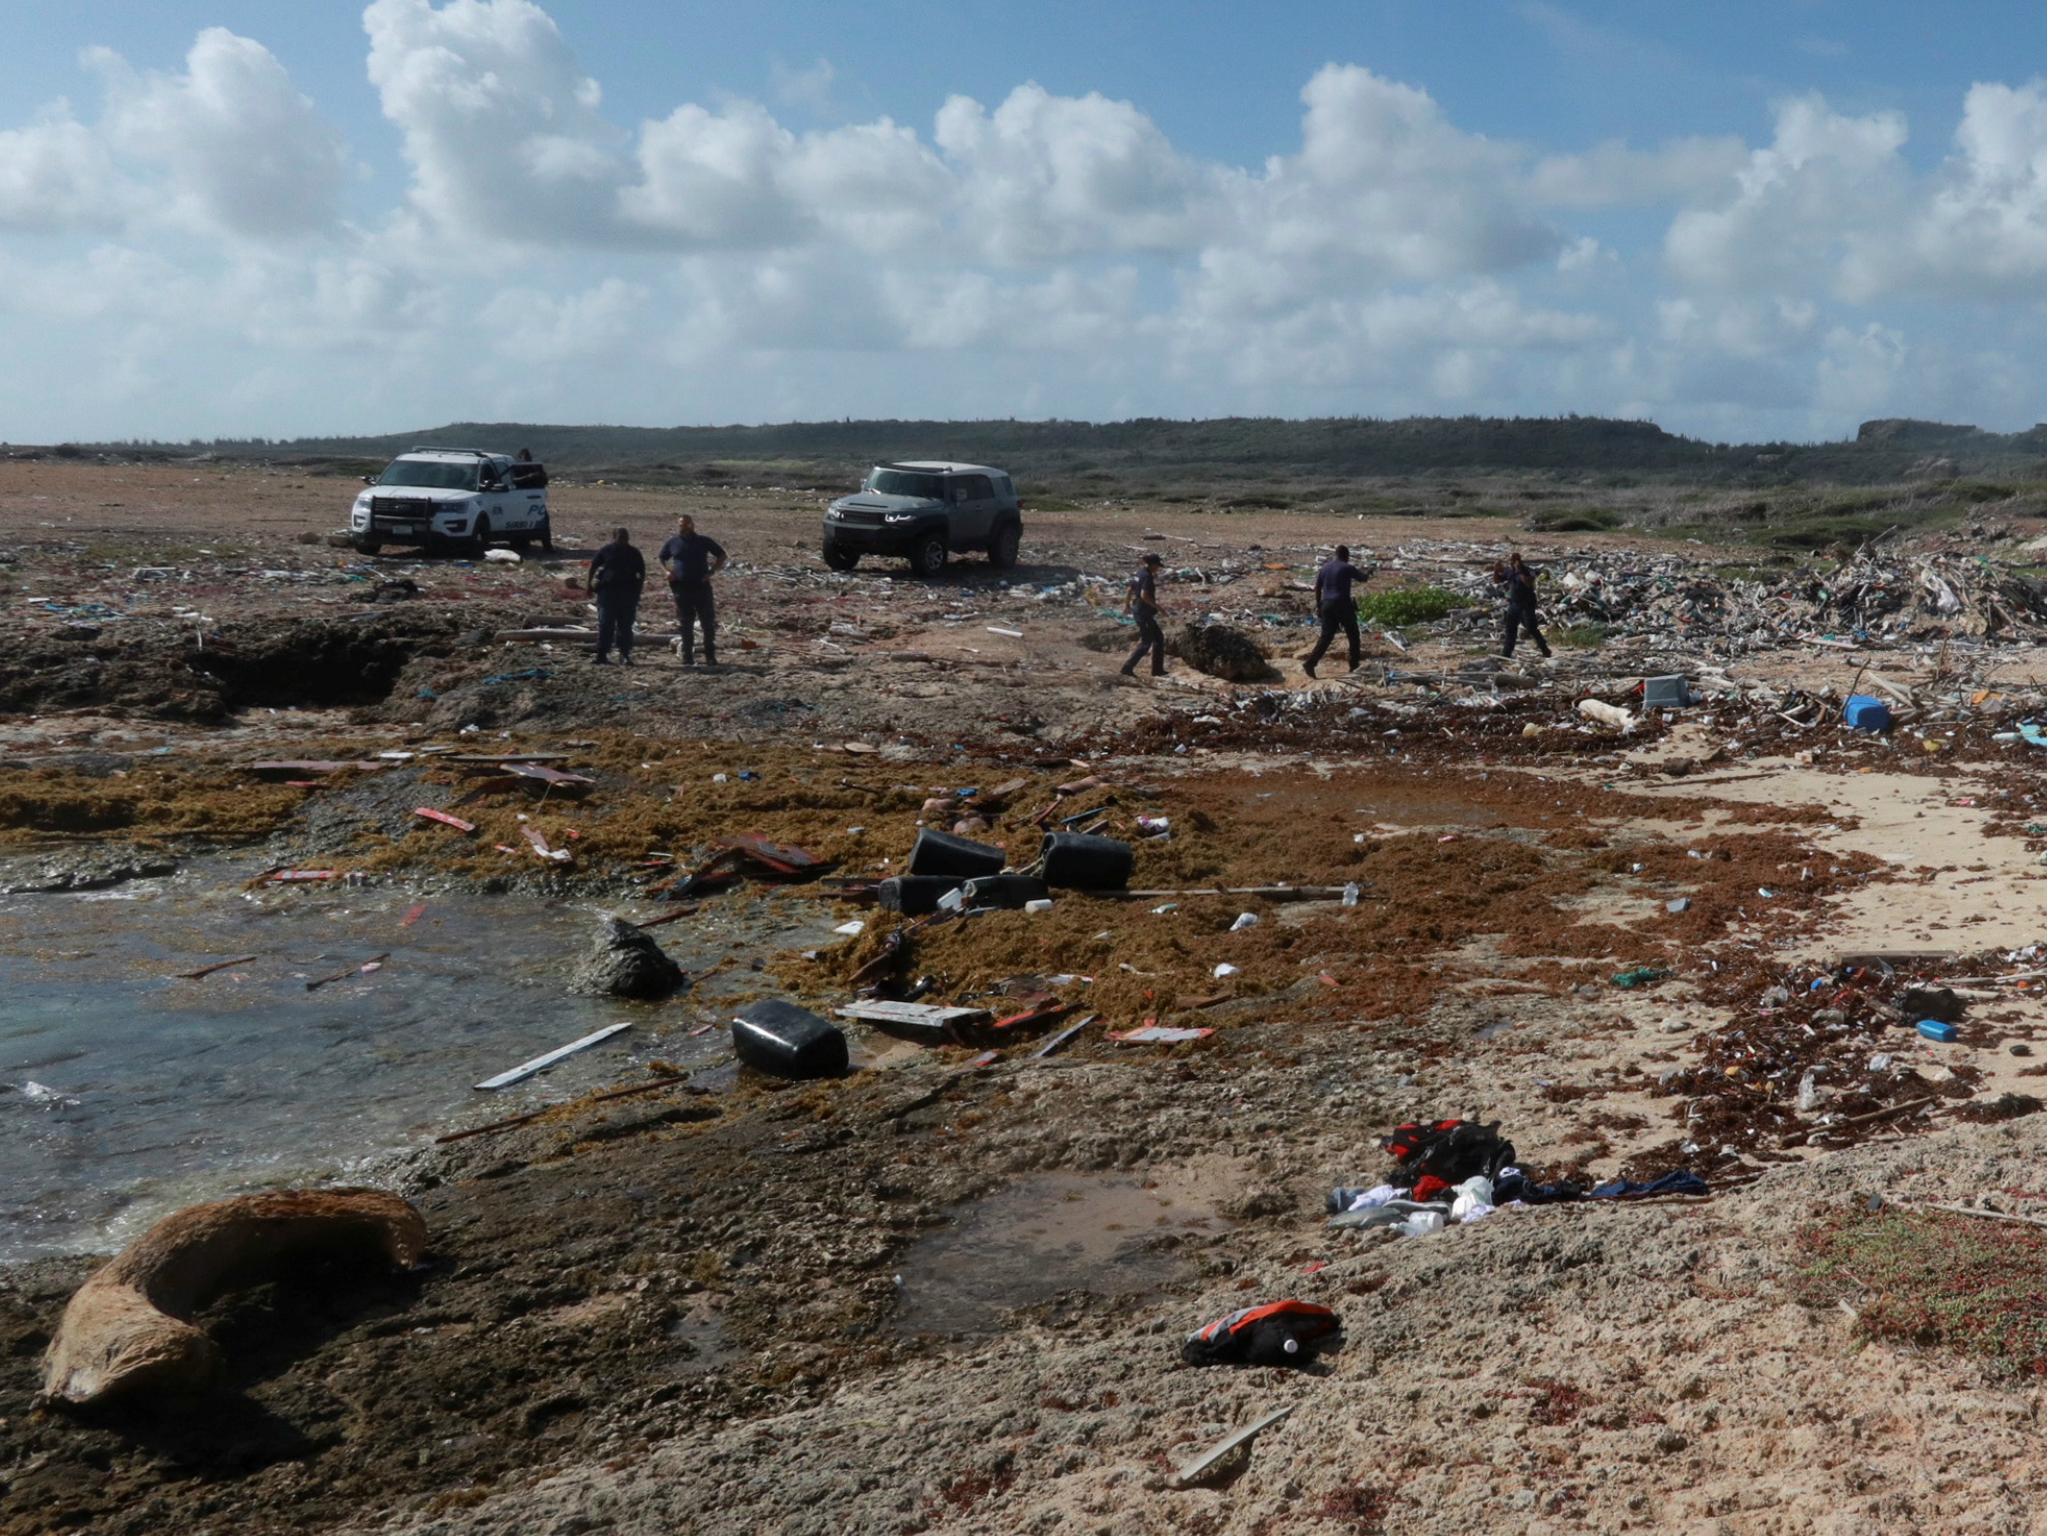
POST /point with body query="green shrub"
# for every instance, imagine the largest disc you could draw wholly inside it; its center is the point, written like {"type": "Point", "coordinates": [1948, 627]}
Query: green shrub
{"type": "Point", "coordinates": [1580, 637]}
{"type": "Point", "coordinates": [1576, 520]}
{"type": "Point", "coordinates": [1399, 606]}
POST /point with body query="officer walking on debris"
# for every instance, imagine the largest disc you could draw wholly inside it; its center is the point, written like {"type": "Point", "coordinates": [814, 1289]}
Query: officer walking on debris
{"type": "Point", "coordinates": [1336, 607]}
{"type": "Point", "coordinates": [691, 560]}
{"type": "Point", "coordinates": [617, 573]}
{"type": "Point", "coordinates": [1520, 614]}
{"type": "Point", "coordinates": [1141, 601]}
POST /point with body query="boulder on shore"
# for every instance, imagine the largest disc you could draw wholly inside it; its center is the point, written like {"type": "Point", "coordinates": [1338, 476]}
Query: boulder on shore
{"type": "Point", "coordinates": [625, 962]}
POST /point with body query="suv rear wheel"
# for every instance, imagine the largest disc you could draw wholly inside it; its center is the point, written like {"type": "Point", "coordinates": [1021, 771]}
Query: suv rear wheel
{"type": "Point", "coordinates": [928, 555]}
{"type": "Point", "coordinates": [1002, 549]}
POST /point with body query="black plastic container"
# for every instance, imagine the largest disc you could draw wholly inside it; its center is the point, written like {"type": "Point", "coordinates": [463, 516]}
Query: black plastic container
{"type": "Point", "coordinates": [941, 853]}
{"type": "Point", "coordinates": [1081, 862]}
{"type": "Point", "coordinates": [1010, 891]}
{"type": "Point", "coordinates": [914, 895]}
{"type": "Point", "coordinates": [787, 1041]}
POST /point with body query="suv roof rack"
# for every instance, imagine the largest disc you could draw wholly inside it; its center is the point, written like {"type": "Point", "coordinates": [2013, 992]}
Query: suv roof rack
{"type": "Point", "coordinates": [481, 453]}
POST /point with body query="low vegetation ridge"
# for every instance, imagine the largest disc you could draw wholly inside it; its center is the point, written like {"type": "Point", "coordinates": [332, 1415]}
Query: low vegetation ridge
{"type": "Point", "coordinates": [1231, 447]}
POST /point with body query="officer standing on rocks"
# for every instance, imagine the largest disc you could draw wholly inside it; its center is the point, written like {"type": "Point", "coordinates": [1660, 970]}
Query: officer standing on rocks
{"type": "Point", "coordinates": [691, 560]}
{"type": "Point", "coordinates": [1141, 601]}
{"type": "Point", "coordinates": [1336, 607]}
{"type": "Point", "coordinates": [617, 573]}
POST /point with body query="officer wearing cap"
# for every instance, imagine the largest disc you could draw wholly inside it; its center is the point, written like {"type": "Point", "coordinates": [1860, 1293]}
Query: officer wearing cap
{"type": "Point", "coordinates": [1141, 601]}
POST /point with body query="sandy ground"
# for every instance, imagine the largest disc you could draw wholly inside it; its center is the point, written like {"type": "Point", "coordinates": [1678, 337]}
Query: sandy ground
{"type": "Point", "coordinates": [940, 1296]}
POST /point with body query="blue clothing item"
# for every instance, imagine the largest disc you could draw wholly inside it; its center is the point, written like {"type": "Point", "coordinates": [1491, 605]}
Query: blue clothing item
{"type": "Point", "coordinates": [687, 558]}
{"type": "Point", "coordinates": [1333, 581]}
{"type": "Point", "coordinates": [1680, 1181]}
{"type": "Point", "coordinates": [1513, 1184]}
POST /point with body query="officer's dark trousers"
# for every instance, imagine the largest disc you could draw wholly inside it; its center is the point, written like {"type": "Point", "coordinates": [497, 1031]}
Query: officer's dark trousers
{"type": "Point", "coordinates": [1520, 616]}
{"type": "Point", "coordinates": [615, 614]}
{"type": "Point", "coordinates": [694, 607]}
{"type": "Point", "coordinates": [1338, 613]}
{"type": "Point", "coordinates": [1150, 638]}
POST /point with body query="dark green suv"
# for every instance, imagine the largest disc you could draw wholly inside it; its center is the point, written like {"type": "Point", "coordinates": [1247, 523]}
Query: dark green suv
{"type": "Point", "coordinates": [923, 511]}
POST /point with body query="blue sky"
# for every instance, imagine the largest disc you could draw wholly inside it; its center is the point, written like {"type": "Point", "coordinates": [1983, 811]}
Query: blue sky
{"type": "Point", "coordinates": [1743, 220]}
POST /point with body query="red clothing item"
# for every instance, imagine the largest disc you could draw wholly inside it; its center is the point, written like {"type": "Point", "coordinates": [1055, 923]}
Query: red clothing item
{"type": "Point", "coordinates": [1429, 1186]}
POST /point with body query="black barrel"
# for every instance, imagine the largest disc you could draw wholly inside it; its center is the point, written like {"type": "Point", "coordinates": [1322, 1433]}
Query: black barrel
{"type": "Point", "coordinates": [941, 853]}
{"type": "Point", "coordinates": [913, 895]}
{"type": "Point", "coordinates": [787, 1041]}
{"type": "Point", "coordinates": [1082, 862]}
{"type": "Point", "coordinates": [1010, 891]}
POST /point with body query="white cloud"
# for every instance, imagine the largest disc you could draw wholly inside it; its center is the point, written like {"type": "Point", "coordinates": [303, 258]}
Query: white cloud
{"type": "Point", "coordinates": [738, 178]}
{"type": "Point", "coordinates": [242, 149]}
{"type": "Point", "coordinates": [495, 114]}
{"type": "Point", "coordinates": [1833, 206]}
{"type": "Point", "coordinates": [1044, 176]}
{"type": "Point", "coordinates": [57, 174]}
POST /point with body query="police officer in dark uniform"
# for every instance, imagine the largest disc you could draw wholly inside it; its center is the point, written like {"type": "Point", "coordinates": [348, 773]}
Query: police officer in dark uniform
{"type": "Point", "coordinates": [617, 573]}
{"type": "Point", "coordinates": [1141, 600]}
{"type": "Point", "coordinates": [1520, 613]}
{"type": "Point", "coordinates": [1336, 607]}
{"type": "Point", "coordinates": [691, 560]}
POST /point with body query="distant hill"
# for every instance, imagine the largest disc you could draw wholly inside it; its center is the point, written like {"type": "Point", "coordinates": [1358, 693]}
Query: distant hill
{"type": "Point", "coordinates": [1232, 449]}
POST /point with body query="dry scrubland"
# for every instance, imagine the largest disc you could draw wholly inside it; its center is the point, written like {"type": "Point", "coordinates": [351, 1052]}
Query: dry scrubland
{"type": "Point", "coordinates": [747, 1308]}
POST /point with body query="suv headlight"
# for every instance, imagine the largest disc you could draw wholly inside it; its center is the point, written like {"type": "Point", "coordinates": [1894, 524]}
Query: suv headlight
{"type": "Point", "coordinates": [898, 517]}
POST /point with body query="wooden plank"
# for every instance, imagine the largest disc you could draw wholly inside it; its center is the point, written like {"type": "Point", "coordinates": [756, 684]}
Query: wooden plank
{"type": "Point", "coordinates": [218, 965]}
{"type": "Point", "coordinates": [1264, 892]}
{"type": "Point", "coordinates": [1231, 1442]}
{"type": "Point", "coordinates": [540, 772]}
{"type": "Point", "coordinates": [1969, 1210]}
{"type": "Point", "coordinates": [1059, 1040]}
{"type": "Point", "coordinates": [918, 1015]}
{"type": "Point", "coordinates": [375, 962]}
{"type": "Point", "coordinates": [547, 1059]}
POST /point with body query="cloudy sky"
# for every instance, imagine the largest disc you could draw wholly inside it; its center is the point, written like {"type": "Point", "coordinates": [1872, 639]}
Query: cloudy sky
{"type": "Point", "coordinates": [1750, 220]}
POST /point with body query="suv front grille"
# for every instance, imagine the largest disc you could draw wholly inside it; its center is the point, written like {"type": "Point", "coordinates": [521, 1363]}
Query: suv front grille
{"type": "Point", "coordinates": [406, 509]}
{"type": "Point", "coordinates": [860, 519]}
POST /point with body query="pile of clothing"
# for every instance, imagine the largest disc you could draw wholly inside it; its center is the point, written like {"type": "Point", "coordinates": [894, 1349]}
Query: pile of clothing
{"type": "Point", "coordinates": [1459, 1171]}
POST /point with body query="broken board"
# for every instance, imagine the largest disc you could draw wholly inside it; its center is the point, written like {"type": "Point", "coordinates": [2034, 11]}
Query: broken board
{"type": "Point", "coordinates": [919, 1021]}
{"type": "Point", "coordinates": [1222, 1448]}
{"type": "Point", "coordinates": [542, 1062]}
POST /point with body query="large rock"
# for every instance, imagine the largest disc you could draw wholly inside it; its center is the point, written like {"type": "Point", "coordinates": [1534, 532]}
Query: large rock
{"type": "Point", "coordinates": [1223, 652]}
{"type": "Point", "coordinates": [128, 1330]}
{"type": "Point", "coordinates": [626, 963]}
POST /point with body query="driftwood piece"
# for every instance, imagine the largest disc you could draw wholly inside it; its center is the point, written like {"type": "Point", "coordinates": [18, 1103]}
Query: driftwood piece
{"type": "Point", "coordinates": [127, 1329]}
